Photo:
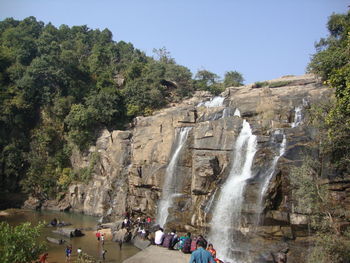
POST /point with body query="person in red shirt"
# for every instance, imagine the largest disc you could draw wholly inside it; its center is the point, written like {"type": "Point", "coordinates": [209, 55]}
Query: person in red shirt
{"type": "Point", "coordinates": [98, 235]}
{"type": "Point", "coordinates": [43, 258]}
{"type": "Point", "coordinates": [213, 253]}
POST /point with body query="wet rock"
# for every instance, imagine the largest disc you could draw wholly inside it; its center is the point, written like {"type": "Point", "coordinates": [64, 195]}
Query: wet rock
{"type": "Point", "coordinates": [140, 243]}
{"type": "Point", "coordinates": [122, 235]}
{"type": "Point", "coordinates": [32, 203]}
{"type": "Point", "coordinates": [299, 219]}
{"type": "Point", "coordinates": [55, 240]}
{"type": "Point", "coordinates": [69, 232]}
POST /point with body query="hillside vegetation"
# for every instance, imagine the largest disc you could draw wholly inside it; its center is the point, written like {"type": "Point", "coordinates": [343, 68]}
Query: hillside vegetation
{"type": "Point", "coordinates": [60, 86]}
{"type": "Point", "coordinates": [328, 217]}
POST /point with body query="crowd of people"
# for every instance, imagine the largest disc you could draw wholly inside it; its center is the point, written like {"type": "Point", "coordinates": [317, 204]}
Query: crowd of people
{"type": "Point", "coordinates": [198, 247]}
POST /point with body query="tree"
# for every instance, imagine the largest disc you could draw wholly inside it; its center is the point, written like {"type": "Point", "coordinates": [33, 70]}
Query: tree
{"type": "Point", "coordinates": [311, 197]}
{"type": "Point", "coordinates": [163, 55]}
{"type": "Point", "coordinates": [20, 243]}
{"type": "Point", "coordinates": [331, 62]}
{"type": "Point", "coordinates": [206, 80]}
{"type": "Point", "coordinates": [233, 79]}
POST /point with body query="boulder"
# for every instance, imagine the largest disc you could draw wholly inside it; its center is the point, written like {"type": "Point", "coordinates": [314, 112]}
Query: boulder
{"type": "Point", "coordinates": [69, 232]}
{"type": "Point", "coordinates": [55, 240]}
{"type": "Point", "coordinates": [140, 243]}
{"type": "Point", "coordinates": [122, 235]}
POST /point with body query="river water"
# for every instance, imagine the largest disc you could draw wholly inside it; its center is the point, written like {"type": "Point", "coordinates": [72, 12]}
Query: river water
{"type": "Point", "coordinates": [87, 243]}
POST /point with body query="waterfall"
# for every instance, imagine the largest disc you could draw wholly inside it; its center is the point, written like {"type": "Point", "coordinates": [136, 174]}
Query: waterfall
{"type": "Point", "coordinates": [217, 101]}
{"type": "Point", "coordinates": [237, 113]}
{"type": "Point", "coordinates": [227, 211]}
{"type": "Point", "coordinates": [298, 117]}
{"type": "Point", "coordinates": [226, 112]}
{"type": "Point", "coordinates": [268, 175]}
{"type": "Point", "coordinates": [271, 170]}
{"type": "Point", "coordinates": [170, 181]}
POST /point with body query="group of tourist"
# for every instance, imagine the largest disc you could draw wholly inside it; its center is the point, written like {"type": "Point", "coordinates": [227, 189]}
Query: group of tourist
{"type": "Point", "coordinates": [101, 239]}
{"type": "Point", "coordinates": [198, 246]}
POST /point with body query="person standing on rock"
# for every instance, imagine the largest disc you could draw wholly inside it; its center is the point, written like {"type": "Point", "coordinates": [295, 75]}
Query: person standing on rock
{"type": "Point", "coordinates": [200, 255]}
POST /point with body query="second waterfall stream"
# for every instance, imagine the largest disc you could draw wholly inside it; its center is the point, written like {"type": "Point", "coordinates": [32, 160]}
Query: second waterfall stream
{"type": "Point", "coordinates": [170, 183]}
{"type": "Point", "coordinates": [227, 210]}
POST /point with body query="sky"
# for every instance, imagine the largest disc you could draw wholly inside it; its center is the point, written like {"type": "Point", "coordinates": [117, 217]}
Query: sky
{"type": "Point", "coordinates": [261, 39]}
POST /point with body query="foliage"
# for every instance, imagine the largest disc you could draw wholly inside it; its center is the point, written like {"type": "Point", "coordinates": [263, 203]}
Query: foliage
{"type": "Point", "coordinates": [85, 258]}
{"type": "Point", "coordinates": [260, 84]}
{"type": "Point", "coordinates": [331, 63]}
{"type": "Point", "coordinates": [311, 197]}
{"type": "Point", "coordinates": [20, 243]}
{"type": "Point", "coordinates": [84, 174]}
{"type": "Point", "coordinates": [330, 248]}
{"type": "Point", "coordinates": [233, 79]}
{"type": "Point", "coordinates": [60, 86]}
{"type": "Point", "coordinates": [209, 81]}
{"type": "Point", "coordinates": [277, 84]}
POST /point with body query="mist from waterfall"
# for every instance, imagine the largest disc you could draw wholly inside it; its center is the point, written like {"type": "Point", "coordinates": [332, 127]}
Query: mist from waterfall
{"type": "Point", "coordinates": [170, 182]}
{"type": "Point", "coordinates": [227, 210]}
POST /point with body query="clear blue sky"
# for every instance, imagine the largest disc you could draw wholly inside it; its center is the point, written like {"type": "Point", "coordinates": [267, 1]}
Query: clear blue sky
{"type": "Point", "coordinates": [262, 39]}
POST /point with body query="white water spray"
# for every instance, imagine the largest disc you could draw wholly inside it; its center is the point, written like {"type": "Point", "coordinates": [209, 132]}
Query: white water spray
{"type": "Point", "coordinates": [237, 113]}
{"type": "Point", "coordinates": [227, 211]}
{"type": "Point", "coordinates": [298, 117]}
{"type": "Point", "coordinates": [170, 182]}
{"type": "Point", "coordinates": [217, 101]}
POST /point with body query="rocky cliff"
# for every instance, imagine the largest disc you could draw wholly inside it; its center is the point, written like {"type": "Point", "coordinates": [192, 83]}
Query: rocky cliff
{"type": "Point", "coordinates": [131, 171]}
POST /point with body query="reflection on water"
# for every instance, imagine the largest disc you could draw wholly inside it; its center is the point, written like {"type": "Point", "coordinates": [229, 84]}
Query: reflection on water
{"type": "Point", "coordinates": [87, 243]}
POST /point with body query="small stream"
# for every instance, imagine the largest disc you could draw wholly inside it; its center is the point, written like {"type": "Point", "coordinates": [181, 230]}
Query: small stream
{"type": "Point", "coordinates": [87, 243]}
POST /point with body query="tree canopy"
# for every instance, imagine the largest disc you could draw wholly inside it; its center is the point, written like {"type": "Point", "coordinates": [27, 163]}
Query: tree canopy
{"type": "Point", "coordinates": [20, 243]}
{"type": "Point", "coordinates": [331, 63]}
{"type": "Point", "coordinates": [61, 85]}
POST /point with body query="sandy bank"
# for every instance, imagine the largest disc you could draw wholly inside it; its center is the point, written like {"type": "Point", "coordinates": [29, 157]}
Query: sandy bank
{"type": "Point", "coordinates": [155, 254]}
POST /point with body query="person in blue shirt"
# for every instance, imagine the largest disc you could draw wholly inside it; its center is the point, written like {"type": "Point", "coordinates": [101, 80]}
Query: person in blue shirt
{"type": "Point", "coordinates": [200, 255]}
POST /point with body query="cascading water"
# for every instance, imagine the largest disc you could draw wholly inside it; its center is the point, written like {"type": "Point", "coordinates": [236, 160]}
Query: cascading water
{"type": "Point", "coordinates": [237, 113]}
{"type": "Point", "coordinates": [227, 211]}
{"type": "Point", "coordinates": [170, 182]}
{"type": "Point", "coordinates": [269, 173]}
{"type": "Point", "coordinates": [298, 117]}
{"type": "Point", "coordinates": [217, 101]}
{"type": "Point", "coordinates": [271, 170]}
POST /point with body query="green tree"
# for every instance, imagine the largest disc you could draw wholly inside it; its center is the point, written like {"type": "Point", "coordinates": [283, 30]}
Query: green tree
{"type": "Point", "coordinates": [20, 243]}
{"type": "Point", "coordinates": [331, 62]}
{"type": "Point", "coordinates": [311, 197]}
{"type": "Point", "coordinates": [206, 80]}
{"type": "Point", "coordinates": [233, 79]}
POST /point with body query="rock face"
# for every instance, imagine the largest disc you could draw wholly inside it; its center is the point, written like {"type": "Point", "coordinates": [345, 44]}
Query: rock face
{"type": "Point", "coordinates": [130, 167]}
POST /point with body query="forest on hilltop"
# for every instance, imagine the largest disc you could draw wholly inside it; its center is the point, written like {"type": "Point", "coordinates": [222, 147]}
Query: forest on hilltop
{"type": "Point", "coordinates": [60, 86]}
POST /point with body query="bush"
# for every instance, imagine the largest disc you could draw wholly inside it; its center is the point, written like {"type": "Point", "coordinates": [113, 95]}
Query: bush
{"type": "Point", "coordinates": [260, 84]}
{"type": "Point", "coordinates": [20, 243]}
{"type": "Point", "coordinates": [311, 197]}
{"type": "Point", "coordinates": [279, 84]}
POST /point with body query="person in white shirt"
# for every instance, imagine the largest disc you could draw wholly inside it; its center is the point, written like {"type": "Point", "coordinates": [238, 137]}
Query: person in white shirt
{"type": "Point", "coordinates": [103, 239]}
{"type": "Point", "coordinates": [159, 236]}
